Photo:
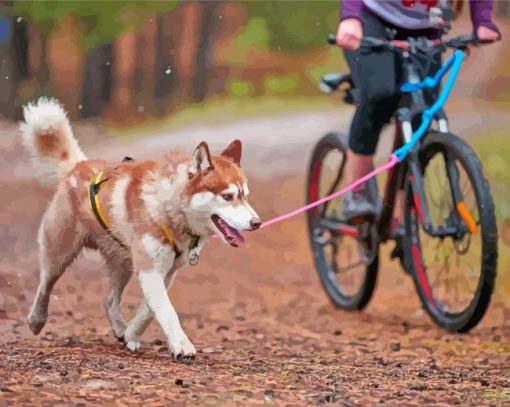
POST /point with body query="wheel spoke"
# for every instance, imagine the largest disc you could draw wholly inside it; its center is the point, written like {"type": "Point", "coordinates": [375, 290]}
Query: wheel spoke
{"type": "Point", "coordinates": [333, 186]}
{"type": "Point", "coordinates": [350, 267]}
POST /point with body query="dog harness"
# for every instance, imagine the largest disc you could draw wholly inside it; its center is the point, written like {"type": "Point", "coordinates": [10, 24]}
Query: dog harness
{"type": "Point", "coordinates": [95, 186]}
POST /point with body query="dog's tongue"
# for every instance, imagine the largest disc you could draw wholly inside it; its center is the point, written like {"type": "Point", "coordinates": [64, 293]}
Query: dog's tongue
{"type": "Point", "coordinates": [232, 235]}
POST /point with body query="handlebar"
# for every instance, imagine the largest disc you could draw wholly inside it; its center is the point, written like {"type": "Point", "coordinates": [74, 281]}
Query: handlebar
{"type": "Point", "coordinates": [414, 45]}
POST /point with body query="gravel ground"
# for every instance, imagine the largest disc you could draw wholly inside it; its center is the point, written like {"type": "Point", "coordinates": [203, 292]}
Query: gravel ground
{"type": "Point", "coordinates": [265, 331]}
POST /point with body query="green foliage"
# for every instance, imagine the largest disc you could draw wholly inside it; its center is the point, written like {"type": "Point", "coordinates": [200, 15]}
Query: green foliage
{"type": "Point", "coordinates": [99, 21]}
{"type": "Point", "coordinates": [281, 84]}
{"type": "Point", "coordinates": [286, 25]}
{"type": "Point", "coordinates": [255, 34]}
{"type": "Point", "coordinates": [494, 151]}
{"type": "Point", "coordinates": [237, 87]}
{"type": "Point", "coordinates": [333, 62]}
{"type": "Point", "coordinates": [296, 25]}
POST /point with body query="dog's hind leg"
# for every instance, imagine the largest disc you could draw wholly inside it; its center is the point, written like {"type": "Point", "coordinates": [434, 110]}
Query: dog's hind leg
{"type": "Point", "coordinates": [59, 244]}
{"type": "Point", "coordinates": [142, 319]}
{"type": "Point", "coordinates": [120, 273]}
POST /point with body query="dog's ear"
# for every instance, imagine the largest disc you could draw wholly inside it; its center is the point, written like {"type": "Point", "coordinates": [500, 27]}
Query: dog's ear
{"type": "Point", "coordinates": [201, 159]}
{"type": "Point", "coordinates": [233, 151]}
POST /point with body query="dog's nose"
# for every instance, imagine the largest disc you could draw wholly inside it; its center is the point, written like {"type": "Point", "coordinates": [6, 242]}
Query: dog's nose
{"type": "Point", "coordinates": [255, 223]}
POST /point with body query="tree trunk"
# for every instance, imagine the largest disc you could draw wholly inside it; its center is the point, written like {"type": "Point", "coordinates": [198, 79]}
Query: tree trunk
{"type": "Point", "coordinates": [203, 60]}
{"type": "Point", "coordinates": [37, 56]}
{"type": "Point", "coordinates": [97, 81]}
{"type": "Point", "coordinates": [7, 63]}
{"type": "Point", "coordinates": [123, 69]}
{"type": "Point", "coordinates": [66, 61]}
{"type": "Point", "coordinates": [190, 14]}
{"type": "Point", "coordinates": [146, 69]}
{"type": "Point", "coordinates": [20, 44]}
{"type": "Point", "coordinates": [167, 72]}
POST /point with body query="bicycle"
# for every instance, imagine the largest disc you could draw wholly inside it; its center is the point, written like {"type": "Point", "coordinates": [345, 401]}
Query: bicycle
{"type": "Point", "coordinates": [448, 202]}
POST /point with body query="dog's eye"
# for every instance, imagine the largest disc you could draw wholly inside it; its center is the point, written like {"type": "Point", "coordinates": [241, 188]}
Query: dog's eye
{"type": "Point", "coordinates": [228, 197]}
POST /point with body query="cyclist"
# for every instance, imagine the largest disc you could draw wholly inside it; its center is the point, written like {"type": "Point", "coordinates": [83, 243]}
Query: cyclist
{"type": "Point", "coordinates": [377, 76]}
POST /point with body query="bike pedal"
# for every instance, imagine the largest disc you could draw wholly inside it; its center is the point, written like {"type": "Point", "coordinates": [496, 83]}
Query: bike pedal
{"type": "Point", "coordinates": [361, 219]}
{"type": "Point", "coordinates": [357, 220]}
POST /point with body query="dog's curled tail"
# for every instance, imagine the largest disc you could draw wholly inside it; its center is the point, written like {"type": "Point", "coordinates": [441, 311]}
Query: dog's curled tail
{"type": "Point", "coordinates": [47, 135]}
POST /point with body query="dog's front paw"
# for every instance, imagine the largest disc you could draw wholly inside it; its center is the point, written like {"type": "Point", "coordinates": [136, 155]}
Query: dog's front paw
{"type": "Point", "coordinates": [131, 340]}
{"type": "Point", "coordinates": [133, 345]}
{"type": "Point", "coordinates": [182, 348]}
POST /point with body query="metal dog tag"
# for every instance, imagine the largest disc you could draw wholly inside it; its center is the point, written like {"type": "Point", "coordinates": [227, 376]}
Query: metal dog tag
{"type": "Point", "coordinates": [193, 257]}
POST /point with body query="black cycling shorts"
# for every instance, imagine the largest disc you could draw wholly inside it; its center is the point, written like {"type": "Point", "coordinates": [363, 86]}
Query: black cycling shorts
{"type": "Point", "coordinates": [377, 77]}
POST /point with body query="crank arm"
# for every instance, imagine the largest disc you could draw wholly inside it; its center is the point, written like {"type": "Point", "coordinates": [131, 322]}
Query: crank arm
{"type": "Point", "coordinates": [337, 227]}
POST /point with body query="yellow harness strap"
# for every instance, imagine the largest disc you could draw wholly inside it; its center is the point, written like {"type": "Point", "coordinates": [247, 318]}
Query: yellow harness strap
{"type": "Point", "coordinates": [170, 238]}
{"type": "Point", "coordinates": [95, 206]}
{"type": "Point", "coordinates": [95, 184]}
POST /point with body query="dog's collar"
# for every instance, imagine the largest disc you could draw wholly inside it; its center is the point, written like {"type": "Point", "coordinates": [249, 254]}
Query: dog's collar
{"type": "Point", "coordinates": [192, 247]}
{"type": "Point", "coordinates": [94, 187]}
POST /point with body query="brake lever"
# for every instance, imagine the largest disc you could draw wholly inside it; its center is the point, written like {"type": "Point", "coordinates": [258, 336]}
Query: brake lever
{"type": "Point", "coordinates": [366, 50]}
{"type": "Point", "coordinates": [464, 41]}
{"type": "Point", "coordinates": [472, 39]}
{"type": "Point", "coordinates": [372, 49]}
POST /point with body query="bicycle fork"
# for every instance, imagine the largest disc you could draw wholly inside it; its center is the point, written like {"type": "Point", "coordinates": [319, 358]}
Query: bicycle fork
{"type": "Point", "coordinates": [414, 174]}
{"type": "Point", "coordinates": [415, 178]}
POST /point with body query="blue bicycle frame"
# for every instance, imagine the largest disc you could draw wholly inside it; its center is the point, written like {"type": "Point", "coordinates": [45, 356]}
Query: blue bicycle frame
{"type": "Point", "coordinates": [395, 175]}
{"type": "Point", "coordinates": [453, 64]}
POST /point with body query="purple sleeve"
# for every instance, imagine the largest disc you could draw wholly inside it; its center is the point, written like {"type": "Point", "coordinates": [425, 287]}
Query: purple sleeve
{"type": "Point", "coordinates": [481, 14]}
{"type": "Point", "coordinates": [351, 9]}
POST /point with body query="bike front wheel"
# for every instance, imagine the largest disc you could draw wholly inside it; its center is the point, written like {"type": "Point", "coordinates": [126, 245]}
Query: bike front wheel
{"type": "Point", "coordinates": [453, 261]}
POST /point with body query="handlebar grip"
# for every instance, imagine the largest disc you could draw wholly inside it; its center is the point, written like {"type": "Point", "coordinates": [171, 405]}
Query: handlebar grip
{"type": "Point", "coordinates": [332, 39]}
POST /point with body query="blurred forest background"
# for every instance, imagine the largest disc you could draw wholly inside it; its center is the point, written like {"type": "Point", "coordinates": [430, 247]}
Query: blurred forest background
{"type": "Point", "coordinates": [127, 61]}
{"type": "Point", "coordinates": [124, 63]}
{"type": "Point", "coordinates": [143, 58]}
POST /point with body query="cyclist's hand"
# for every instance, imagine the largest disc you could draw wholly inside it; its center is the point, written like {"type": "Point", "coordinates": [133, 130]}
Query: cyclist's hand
{"type": "Point", "coordinates": [484, 34]}
{"type": "Point", "coordinates": [349, 34]}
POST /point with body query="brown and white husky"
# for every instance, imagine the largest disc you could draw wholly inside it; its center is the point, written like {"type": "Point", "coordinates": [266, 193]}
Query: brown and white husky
{"type": "Point", "coordinates": [146, 217]}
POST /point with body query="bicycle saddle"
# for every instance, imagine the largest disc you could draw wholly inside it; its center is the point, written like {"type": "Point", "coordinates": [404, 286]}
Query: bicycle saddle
{"type": "Point", "coordinates": [331, 82]}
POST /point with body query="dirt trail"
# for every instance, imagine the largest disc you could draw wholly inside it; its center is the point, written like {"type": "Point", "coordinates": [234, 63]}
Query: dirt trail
{"type": "Point", "coordinates": [265, 331]}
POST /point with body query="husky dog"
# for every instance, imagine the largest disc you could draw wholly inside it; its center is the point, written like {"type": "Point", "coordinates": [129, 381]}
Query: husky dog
{"type": "Point", "coordinates": [146, 217]}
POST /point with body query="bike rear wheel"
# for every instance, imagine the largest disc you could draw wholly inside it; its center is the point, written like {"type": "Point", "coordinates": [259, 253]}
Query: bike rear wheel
{"type": "Point", "coordinates": [454, 263]}
{"type": "Point", "coordinates": [347, 273]}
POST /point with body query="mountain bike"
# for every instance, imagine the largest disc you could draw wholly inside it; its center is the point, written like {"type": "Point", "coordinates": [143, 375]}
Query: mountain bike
{"type": "Point", "coordinates": [450, 242]}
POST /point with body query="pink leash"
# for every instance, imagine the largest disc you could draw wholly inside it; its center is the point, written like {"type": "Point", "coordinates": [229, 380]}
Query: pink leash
{"type": "Point", "coordinates": [392, 162]}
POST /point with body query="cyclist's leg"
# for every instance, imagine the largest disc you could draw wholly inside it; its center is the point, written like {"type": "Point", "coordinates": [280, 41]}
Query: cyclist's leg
{"type": "Point", "coordinates": [376, 77]}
